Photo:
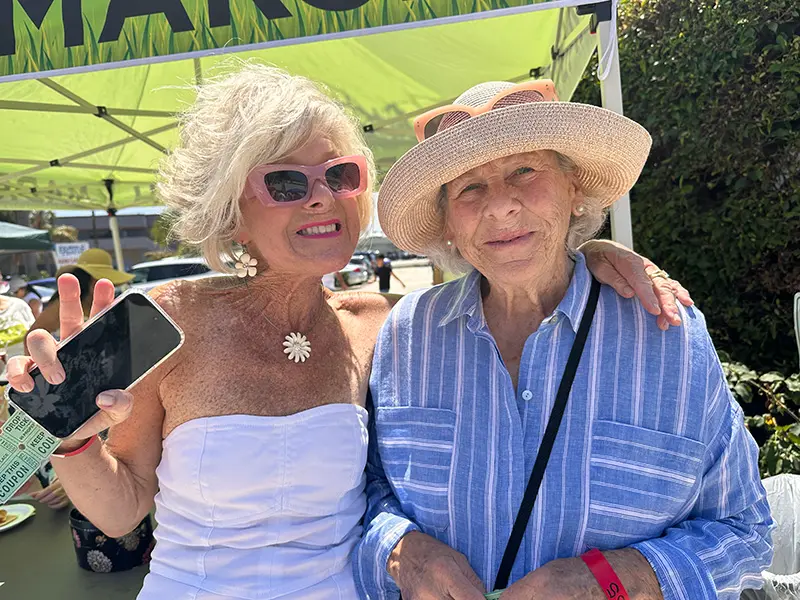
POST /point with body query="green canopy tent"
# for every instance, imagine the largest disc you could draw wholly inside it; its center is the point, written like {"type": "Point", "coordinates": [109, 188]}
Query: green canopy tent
{"type": "Point", "coordinates": [88, 94]}
{"type": "Point", "coordinates": [16, 238]}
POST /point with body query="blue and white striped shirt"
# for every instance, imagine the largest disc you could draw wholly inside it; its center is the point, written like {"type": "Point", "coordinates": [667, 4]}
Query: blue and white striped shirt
{"type": "Point", "coordinates": [652, 452]}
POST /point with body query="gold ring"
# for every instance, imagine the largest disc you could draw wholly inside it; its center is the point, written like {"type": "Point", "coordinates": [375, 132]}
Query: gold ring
{"type": "Point", "coordinates": [658, 273]}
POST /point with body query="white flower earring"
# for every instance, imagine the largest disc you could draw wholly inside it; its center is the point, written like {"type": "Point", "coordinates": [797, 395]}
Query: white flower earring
{"type": "Point", "coordinates": [246, 266]}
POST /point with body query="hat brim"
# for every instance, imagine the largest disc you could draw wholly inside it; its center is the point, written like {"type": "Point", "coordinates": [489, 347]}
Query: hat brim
{"type": "Point", "coordinates": [609, 150]}
{"type": "Point", "coordinates": [99, 272]}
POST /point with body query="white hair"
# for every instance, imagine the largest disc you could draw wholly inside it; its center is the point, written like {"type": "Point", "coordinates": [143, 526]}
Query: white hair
{"type": "Point", "coordinates": [582, 228]}
{"type": "Point", "coordinates": [255, 115]}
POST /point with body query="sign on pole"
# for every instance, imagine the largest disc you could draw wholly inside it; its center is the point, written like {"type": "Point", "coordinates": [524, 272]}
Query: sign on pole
{"type": "Point", "coordinates": [67, 254]}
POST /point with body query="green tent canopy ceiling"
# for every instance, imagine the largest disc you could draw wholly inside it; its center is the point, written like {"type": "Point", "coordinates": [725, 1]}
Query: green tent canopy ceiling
{"type": "Point", "coordinates": [66, 136]}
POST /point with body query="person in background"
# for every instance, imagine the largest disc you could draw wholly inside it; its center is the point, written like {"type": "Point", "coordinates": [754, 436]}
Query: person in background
{"type": "Point", "coordinates": [15, 320]}
{"type": "Point", "coordinates": [93, 264]}
{"type": "Point", "coordinates": [18, 287]}
{"type": "Point", "coordinates": [385, 273]}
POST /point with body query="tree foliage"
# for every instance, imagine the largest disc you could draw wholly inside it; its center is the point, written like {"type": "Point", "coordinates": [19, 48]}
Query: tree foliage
{"type": "Point", "coordinates": [717, 84]}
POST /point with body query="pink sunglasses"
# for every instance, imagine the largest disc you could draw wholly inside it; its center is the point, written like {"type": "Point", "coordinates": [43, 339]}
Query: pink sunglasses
{"type": "Point", "coordinates": [345, 177]}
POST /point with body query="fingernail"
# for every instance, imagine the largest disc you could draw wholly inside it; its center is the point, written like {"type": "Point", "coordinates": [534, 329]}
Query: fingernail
{"type": "Point", "coordinates": [26, 387]}
{"type": "Point", "coordinates": [627, 291]}
{"type": "Point", "coordinates": [105, 400]}
{"type": "Point", "coordinates": [656, 307]}
{"type": "Point", "coordinates": [59, 376]}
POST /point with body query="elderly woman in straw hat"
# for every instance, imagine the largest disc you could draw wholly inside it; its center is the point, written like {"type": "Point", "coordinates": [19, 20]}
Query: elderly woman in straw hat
{"type": "Point", "coordinates": [533, 430]}
{"type": "Point", "coordinates": [254, 434]}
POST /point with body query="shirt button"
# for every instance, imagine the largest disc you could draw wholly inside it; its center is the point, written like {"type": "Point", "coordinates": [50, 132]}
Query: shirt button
{"type": "Point", "coordinates": [527, 395]}
{"type": "Point", "coordinates": [554, 319]}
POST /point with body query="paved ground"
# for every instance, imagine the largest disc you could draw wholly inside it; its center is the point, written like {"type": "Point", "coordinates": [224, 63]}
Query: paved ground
{"type": "Point", "coordinates": [416, 274]}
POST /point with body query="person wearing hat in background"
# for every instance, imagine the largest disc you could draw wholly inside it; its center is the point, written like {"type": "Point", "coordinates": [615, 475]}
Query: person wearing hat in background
{"type": "Point", "coordinates": [652, 487]}
{"type": "Point", "coordinates": [93, 265]}
{"type": "Point", "coordinates": [19, 288]}
{"type": "Point", "coordinates": [16, 318]}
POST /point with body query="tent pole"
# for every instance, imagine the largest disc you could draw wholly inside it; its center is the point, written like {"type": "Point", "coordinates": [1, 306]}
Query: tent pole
{"type": "Point", "coordinates": [94, 229]}
{"type": "Point", "coordinates": [113, 225]}
{"type": "Point", "coordinates": [611, 90]}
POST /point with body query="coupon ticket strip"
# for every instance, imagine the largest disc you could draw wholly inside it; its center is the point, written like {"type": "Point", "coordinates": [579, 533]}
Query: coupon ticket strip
{"type": "Point", "coordinates": [25, 446]}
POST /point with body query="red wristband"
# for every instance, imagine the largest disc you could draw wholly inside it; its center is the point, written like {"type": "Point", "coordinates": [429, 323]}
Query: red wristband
{"type": "Point", "coordinates": [80, 450]}
{"type": "Point", "coordinates": [605, 575]}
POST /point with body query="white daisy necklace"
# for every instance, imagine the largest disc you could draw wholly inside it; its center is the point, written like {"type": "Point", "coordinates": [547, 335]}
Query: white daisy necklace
{"type": "Point", "coordinates": [296, 346]}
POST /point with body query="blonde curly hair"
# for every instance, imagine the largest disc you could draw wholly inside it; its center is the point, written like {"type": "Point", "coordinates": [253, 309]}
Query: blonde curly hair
{"type": "Point", "coordinates": [256, 114]}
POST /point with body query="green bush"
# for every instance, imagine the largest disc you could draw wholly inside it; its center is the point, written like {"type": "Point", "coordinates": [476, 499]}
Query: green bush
{"type": "Point", "coordinates": [776, 422]}
{"type": "Point", "coordinates": [717, 84]}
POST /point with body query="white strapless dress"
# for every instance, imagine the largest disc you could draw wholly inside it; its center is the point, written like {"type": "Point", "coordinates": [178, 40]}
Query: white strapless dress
{"type": "Point", "coordinates": [260, 507]}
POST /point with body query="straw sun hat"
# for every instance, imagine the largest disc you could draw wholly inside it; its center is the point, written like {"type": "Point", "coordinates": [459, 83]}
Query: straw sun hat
{"type": "Point", "coordinates": [608, 149]}
{"type": "Point", "coordinates": [97, 263]}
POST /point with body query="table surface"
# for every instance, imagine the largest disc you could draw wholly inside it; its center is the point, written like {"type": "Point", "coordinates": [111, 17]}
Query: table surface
{"type": "Point", "coordinates": [38, 562]}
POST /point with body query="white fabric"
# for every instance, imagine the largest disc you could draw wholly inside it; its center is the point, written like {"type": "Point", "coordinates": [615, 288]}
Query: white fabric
{"type": "Point", "coordinates": [16, 312]}
{"type": "Point", "coordinates": [782, 578]}
{"type": "Point", "coordinates": [260, 507]}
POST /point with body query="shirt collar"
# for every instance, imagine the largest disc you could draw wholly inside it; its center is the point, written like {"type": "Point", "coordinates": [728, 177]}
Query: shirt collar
{"type": "Point", "coordinates": [467, 297]}
{"type": "Point", "coordinates": [466, 300]}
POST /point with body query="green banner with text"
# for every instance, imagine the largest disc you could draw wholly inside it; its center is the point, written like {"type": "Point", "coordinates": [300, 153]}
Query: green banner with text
{"type": "Point", "coordinates": [39, 36]}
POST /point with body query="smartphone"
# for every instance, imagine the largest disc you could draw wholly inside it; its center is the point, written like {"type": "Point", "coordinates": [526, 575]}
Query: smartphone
{"type": "Point", "coordinates": [114, 350]}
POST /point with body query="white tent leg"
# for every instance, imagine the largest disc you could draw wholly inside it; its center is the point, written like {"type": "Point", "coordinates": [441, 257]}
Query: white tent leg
{"type": "Point", "coordinates": [113, 225]}
{"type": "Point", "coordinates": [611, 90]}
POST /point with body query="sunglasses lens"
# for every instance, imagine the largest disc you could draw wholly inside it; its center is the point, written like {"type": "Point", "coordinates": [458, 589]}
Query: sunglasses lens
{"type": "Point", "coordinates": [286, 186]}
{"type": "Point", "coordinates": [444, 120]}
{"type": "Point", "coordinates": [343, 178]}
{"type": "Point", "coordinates": [521, 97]}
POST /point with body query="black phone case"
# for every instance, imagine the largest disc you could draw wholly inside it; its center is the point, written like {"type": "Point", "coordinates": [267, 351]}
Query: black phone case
{"type": "Point", "coordinates": [104, 361]}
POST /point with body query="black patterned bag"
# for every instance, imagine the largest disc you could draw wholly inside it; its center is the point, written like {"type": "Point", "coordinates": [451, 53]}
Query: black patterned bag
{"type": "Point", "coordinates": [102, 554]}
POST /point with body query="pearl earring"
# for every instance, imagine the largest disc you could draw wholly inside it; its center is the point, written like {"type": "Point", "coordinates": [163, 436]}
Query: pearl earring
{"type": "Point", "coordinates": [449, 243]}
{"type": "Point", "coordinates": [580, 209]}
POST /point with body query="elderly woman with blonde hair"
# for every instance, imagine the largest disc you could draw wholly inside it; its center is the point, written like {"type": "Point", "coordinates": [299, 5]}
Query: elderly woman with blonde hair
{"type": "Point", "coordinates": [534, 432]}
{"type": "Point", "coordinates": [252, 439]}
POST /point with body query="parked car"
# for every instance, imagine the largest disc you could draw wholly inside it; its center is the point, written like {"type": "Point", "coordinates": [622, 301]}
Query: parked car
{"type": "Point", "coordinates": [366, 263]}
{"type": "Point", "coordinates": [372, 256]}
{"type": "Point", "coordinates": [148, 275]}
{"type": "Point", "coordinates": [45, 288]}
{"type": "Point", "coordinates": [354, 274]}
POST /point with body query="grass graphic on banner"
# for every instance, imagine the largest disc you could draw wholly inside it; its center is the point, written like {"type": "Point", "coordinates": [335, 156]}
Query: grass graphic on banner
{"type": "Point", "coordinates": [151, 36]}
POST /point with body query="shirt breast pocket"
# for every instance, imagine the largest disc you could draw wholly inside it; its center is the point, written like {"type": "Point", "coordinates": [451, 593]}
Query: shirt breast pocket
{"type": "Point", "coordinates": [416, 450]}
{"type": "Point", "coordinates": [642, 481]}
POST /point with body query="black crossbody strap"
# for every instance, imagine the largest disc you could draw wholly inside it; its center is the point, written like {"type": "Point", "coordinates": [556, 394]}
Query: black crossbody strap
{"type": "Point", "coordinates": [549, 438]}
